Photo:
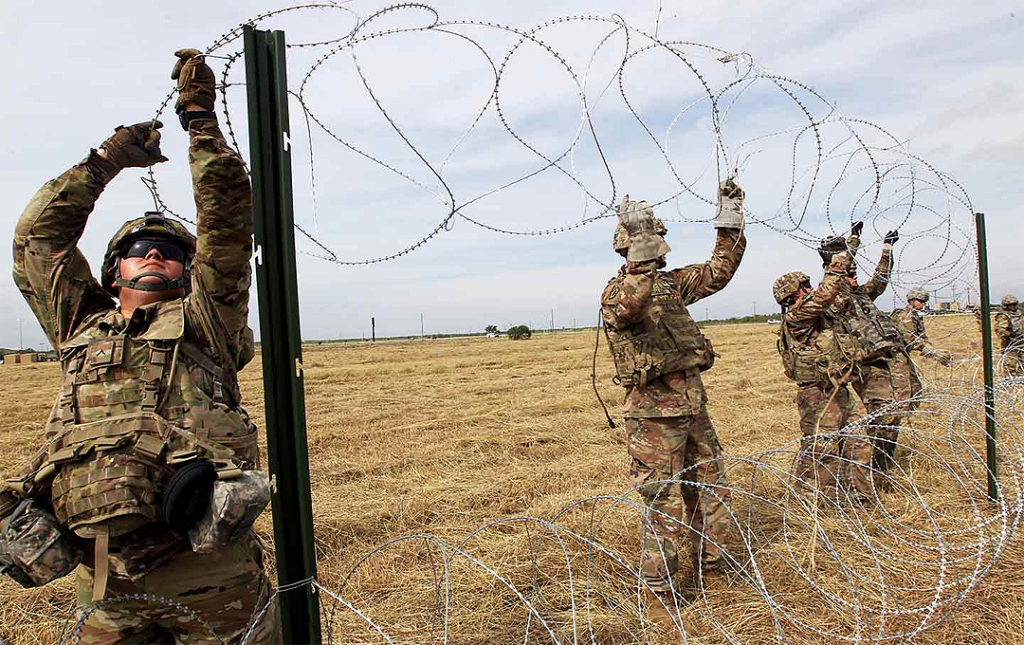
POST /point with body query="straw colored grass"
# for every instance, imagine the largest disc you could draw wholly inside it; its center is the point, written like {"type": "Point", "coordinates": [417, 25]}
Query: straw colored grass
{"type": "Point", "coordinates": [442, 437]}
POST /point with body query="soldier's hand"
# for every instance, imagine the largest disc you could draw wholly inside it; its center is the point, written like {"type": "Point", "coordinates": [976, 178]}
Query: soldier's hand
{"type": "Point", "coordinates": [135, 146]}
{"type": "Point", "coordinates": [729, 189]}
{"type": "Point", "coordinates": [857, 228]}
{"type": "Point", "coordinates": [892, 237]}
{"type": "Point", "coordinates": [196, 82]}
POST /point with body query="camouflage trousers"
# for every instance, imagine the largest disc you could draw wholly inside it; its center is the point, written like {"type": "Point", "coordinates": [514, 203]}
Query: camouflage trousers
{"type": "Point", "coordinates": [1012, 362]}
{"type": "Point", "coordinates": [876, 388]}
{"type": "Point", "coordinates": [659, 449]}
{"type": "Point", "coordinates": [838, 459]}
{"type": "Point", "coordinates": [906, 381]}
{"type": "Point", "coordinates": [225, 589]}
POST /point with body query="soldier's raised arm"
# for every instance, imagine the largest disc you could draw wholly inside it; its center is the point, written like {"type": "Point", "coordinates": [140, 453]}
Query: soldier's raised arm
{"type": "Point", "coordinates": [49, 269]}
{"type": "Point", "coordinates": [832, 292]}
{"type": "Point", "coordinates": [880, 280]}
{"type": "Point", "coordinates": [218, 306]}
{"type": "Point", "coordinates": [702, 280]}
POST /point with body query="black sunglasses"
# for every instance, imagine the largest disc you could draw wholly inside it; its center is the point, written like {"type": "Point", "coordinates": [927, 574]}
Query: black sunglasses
{"type": "Point", "coordinates": [168, 250]}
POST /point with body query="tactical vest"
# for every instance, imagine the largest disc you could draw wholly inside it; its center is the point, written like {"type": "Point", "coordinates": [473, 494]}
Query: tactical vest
{"type": "Point", "coordinates": [871, 333]}
{"type": "Point", "coordinates": [131, 409]}
{"type": "Point", "coordinates": [665, 340]}
{"type": "Point", "coordinates": [801, 363]}
{"type": "Point", "coordinates": [918, 334]}
{"type": "Point", "coordinates": [1016, 325]}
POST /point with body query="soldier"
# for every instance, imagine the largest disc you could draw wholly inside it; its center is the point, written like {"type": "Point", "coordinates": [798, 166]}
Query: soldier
{"type": "Point", "coordinates": [911, 325]}
{"type": "Point", "coordinates": [875, 342]}
{"type": "Point", "coordinates": [823, 399]}
{"type": "Point", "coordinates": [659, 354]}
{"type": "Point", "coordinates": [149, 414]}
{"type": "Point", "coordinates": [1009, 327]}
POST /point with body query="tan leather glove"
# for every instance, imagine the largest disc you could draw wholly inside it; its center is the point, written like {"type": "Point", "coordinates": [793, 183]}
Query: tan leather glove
{"type": "Point", "coordinates": [135, 146]}
{"type": "Point", "coordinates": [730, 206]}
{"type": "Point", "coordinates": [196, 82]}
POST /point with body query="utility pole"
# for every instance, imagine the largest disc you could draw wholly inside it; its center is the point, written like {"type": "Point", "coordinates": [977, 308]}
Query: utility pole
{"type": "Point", "coordinates": [277, 288]}
{"type": "Point", "coordinates": [755, 307]}
{"type": "Point", "coordinates": [373, 329]}
{"type": "Point", "coordinates": [421, 325]}
{"type": "Point", "coordinates": [552, 328]}
{"type": "Point", "coordinates": [707, 316]}
{"type": "Point", "coordinates": [21, 337]}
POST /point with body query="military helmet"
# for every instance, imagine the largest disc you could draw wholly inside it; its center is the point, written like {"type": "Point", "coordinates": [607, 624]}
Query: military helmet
{"type": "Point", "coordinates": [1009, 301]}
{"type": "Point", "coordinates": [788, 285]}
{"type": "Point", "coordinates": [151, 225]}
{"type": "Point", "coordinates": [917, 294]}
{"type": "Point", "coordinates": [645, 231]}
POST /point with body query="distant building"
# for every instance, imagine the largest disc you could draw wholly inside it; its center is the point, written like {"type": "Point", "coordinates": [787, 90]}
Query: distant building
{"type": "Point", "coordinates": [20, 359]}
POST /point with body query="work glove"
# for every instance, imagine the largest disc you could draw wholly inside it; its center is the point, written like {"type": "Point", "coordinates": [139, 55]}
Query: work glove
{"type": "Point", "coordinates": [730, 205]}
{"type": "Point", "coordinates": [196, 82]}
{"type": "Point", "coordinates": [857, 228]}
{"type": "Point", "coordinates": [892, 237]}
{"type": "Point", "coordinates": [829, 247]}
{"type": "Point", "coordinates": [135, 146]}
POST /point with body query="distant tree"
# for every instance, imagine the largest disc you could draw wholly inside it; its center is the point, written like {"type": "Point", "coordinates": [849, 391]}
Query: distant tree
{"type": "Point", "coordinates": [519, 332]}
{"type": "Point", "coordinates": [491, 329]}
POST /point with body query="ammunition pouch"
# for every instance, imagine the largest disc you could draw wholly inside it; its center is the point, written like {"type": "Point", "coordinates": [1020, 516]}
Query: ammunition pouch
{"type": "Point", "coordinates": [237, 499]}
{"type": "Point", "coordinates": [800, 363]}
{"type": "Point", "coordinates": [34, 548]}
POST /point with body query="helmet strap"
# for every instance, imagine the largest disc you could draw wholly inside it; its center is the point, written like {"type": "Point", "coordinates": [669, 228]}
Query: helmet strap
{"type": "Point", "coordinates": [167, 284]}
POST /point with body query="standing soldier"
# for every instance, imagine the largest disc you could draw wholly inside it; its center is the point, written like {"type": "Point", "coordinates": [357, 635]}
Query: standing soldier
{"type": "Point", "coordinates": [659, 354]}
{"type": "Point", "coordinates": [915, 339]}
{"type": "Point", "coordinates": [875, 342]}
{"type": "Point", "coordinates": [822, 399]}
{"type": "Point", "coordinates": [149, 413]}
{"type": "Point", "coordinates": [1009, 327]}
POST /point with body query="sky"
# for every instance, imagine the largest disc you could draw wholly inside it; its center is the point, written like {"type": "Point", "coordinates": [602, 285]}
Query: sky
{"type": "Point", "coordinates": [943, 80]}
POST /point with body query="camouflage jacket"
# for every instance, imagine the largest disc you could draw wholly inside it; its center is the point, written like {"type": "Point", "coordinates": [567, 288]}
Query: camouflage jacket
{"type": "Point", "coordinates": [1009, 327]}
{"type": "Point", "coordinates": [803, 323]}
{"type": "Point", "coordinates": [911, 325]}
{"type": "Point", "coordinates": [626, 298]}
{"type": "Point", "coordinates": [880, 280]}
{"type": "Point", "coordinates": [210, 324]}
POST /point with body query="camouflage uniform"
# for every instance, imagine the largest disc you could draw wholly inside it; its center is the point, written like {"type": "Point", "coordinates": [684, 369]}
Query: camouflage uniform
{"type": "Point", "coordinates": [1009, 328]}
{"type": "Point", "coordinates": [905, 376]}
{"type": "Point", "coordinates": [824, 403]}
{"type": "Point", "coordinates": [872, 377]}
{"type": "Point", "coordinates": [666, 420]}
{"type": "Point", "coordinates": [168, 372]}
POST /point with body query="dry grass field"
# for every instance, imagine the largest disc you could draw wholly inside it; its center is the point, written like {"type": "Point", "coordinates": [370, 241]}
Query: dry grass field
{"type": "Point", "coordinates": [442, 437]}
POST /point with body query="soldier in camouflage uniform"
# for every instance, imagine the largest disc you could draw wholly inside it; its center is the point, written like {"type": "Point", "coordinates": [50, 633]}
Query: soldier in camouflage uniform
{"type": "Point", "coordinates": [874, 345]}
{"type": "Point", "coordinates": [823, 399]}
{"type": "Point", "coordinates": [150, 389]}
{"type": "Point", "coordinates": [911, 325]}
{"type": "Point", "coordinates": [659, 353]}
{"type": "Point", "coordinates": [1009, 328]}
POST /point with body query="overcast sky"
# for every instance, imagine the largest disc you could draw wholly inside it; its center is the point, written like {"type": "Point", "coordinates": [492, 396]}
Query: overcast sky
{"type": "Point", "coordinates": [945, 79]}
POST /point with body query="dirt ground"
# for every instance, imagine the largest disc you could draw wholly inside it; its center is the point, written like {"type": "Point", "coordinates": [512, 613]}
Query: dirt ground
{"type": "Point", "coordinates": [441, 437]}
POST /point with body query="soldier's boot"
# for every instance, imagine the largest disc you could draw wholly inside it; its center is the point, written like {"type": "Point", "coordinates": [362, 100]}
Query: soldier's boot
{"type": "Point", "coordinates": [658, 612]}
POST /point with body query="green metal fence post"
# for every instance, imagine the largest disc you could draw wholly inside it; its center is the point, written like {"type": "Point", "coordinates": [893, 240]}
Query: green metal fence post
{"type": "Point", "coordinates": [986, 335]}
{"type": "Point", "coordinates": [277, 286]}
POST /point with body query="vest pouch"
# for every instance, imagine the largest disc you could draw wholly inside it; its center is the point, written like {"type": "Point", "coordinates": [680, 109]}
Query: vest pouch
{"type": "Point", "coordinates": [108, 474]}
{"type": "Point", "coordinates": [229, 430]}
{"type": "Point", "coordinates": [234, 506]}
{"type": "Point", "coordinates": [34, 548]}
{"type": "Point", "coordinates": [708, 355]}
